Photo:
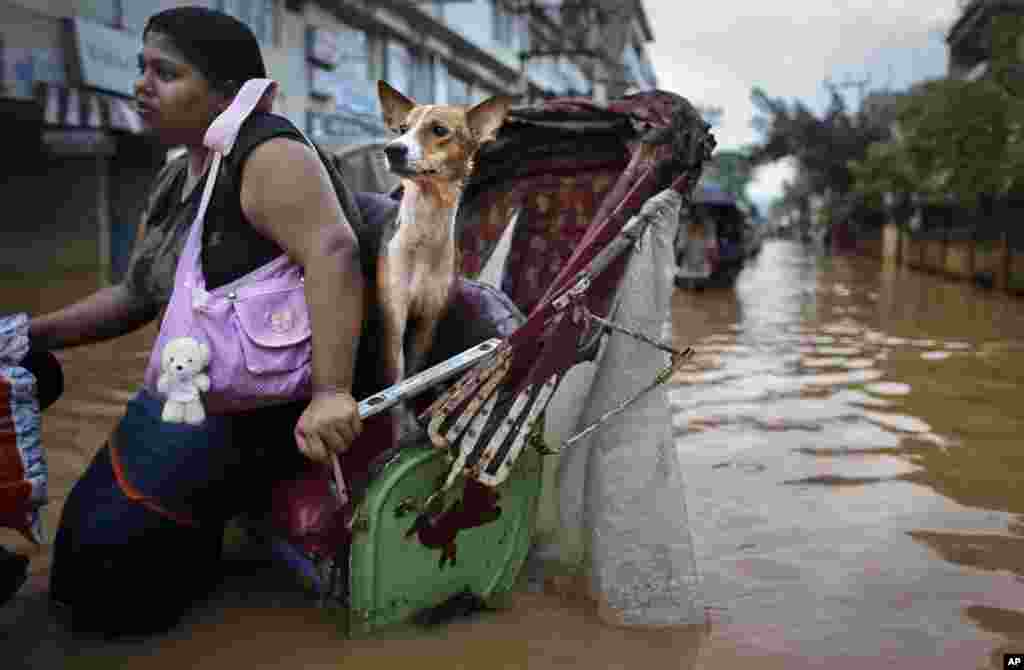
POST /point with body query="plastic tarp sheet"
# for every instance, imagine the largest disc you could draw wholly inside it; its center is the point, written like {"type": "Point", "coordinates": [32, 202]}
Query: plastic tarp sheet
{"type": "Point", "coordinates": [619, 499]}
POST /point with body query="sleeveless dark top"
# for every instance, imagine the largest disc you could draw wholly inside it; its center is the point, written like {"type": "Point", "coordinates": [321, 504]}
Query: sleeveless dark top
{"type": "Point", "coordinates": [231, 246]}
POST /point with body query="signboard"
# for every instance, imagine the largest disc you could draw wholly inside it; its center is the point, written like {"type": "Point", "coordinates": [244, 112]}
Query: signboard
{"type": "Point", "coordinates": [323, 46]}
{"type": "Point", "coordinates": [106, 57]}
{"type": "Point", "coordinates": [22, 67]}
{"type": "Point", "coordinates": [349, 94]}
{"type": "Point", "coordinates": [339, 68]}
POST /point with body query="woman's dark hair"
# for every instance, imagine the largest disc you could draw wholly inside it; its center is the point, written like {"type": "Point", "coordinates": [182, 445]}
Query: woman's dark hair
{"type": "Point", "coordinates": [220, 46]}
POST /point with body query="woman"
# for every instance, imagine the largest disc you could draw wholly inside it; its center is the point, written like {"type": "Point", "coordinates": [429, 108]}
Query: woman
{"type": "Point", "coordinates": [140, 534]}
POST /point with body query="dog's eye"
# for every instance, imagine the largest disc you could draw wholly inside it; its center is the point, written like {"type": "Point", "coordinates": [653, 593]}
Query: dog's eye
{"type": "Point", "coordinates": [403, 129]}
{"type": "Point", "coordinates": [439, 130]}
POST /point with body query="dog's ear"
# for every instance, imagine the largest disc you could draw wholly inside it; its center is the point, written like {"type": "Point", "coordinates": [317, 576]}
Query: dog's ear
{"type": "Point", "coordinates": [394, 106]}
{"type": "Point", "coordinates": [485, 118]}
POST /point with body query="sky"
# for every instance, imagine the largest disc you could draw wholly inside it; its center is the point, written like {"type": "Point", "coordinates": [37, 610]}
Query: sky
{"type": "Point", "coordinates": [714, 53]}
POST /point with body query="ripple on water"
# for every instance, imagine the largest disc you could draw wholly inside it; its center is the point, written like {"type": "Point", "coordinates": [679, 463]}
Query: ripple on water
{"type": "Point", "coordinates": [859, 363]}
{"type": "Point", "coordinates": [723, 349]}
{"type": "Point", "coordinates": [702, 377]}
{"type": "Point", "coordinates": [838, 351]}
{"type": "Point", "coordinates": [855, 397]}
{"type": "Point", "coordinates": [840, 378]}
{"type": "Point", "coordinates": [888, 388]}
{"type": "Point", "coordinates": [958, 346]}
{"type": "Point", "coordinates": [900, 422]}
{"type": "Point", "coordinates": [935, 355]}
{"type": "Point", "coordinates": [833, 362]}
{"type": "Point", "coordinates": [842, 329]}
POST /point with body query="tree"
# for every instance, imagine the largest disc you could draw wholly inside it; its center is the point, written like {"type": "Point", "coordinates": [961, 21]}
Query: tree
{"type": "Point", "coordinates": [823, 148]}
{"type": "Point", "coordinates": [733, 171]}
{"type": "Point", "coordinates": [958, 140]}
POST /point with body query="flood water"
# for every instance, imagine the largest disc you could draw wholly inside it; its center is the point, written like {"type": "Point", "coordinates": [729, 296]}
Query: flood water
{"type": "Point", "coordinates": [849, 435]}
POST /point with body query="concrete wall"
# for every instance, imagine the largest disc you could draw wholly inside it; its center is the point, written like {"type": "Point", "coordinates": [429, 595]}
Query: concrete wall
{"type": "Point", "coordinates": [958, 259]}
{"type": "Point", "coordinates": [1015, 278]}
{"type": "Point", "coordinates": [933, 255]}
{"type": "Point", "coordinates": [912, 252]}
{"type": "Point", "coordinates": [993, 262]}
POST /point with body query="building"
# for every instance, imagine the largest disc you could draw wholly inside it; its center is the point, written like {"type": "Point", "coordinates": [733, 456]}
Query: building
{"type": "Point", "coordinates": [968, 40]}
{"type": "Point", "coordinates": [68, 68]}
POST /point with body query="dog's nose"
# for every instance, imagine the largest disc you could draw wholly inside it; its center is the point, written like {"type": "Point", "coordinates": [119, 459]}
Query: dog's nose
{"type": "Point", "coordinates": [179, 367]}
{"type": "Point", "coordinates": [396, 153]}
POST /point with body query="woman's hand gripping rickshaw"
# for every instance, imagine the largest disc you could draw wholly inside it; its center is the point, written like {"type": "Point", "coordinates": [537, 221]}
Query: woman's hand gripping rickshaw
{"type": "Point", "coordinates": [399, 528]}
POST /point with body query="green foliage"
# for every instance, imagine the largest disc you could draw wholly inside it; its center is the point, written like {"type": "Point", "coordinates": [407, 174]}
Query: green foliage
{"type": "Point", "coordinates": [733, 171]}
{"type": "Point", "coordinates": [959, 140]}
{"type": "Point", "coordinates": [823, 147]}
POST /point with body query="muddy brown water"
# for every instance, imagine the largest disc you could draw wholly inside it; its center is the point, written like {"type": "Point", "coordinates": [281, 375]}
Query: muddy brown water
{"type": "Point", "coordinates": [849, 434]}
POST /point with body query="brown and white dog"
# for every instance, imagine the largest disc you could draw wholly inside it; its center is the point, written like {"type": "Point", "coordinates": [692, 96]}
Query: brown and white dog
{"type": "Point", "coordinates": [433, 156]}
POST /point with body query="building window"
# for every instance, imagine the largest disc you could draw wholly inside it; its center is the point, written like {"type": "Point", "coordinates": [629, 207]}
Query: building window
{"type": "Point", "coordinates": [134, 13]}
{"type": "Point", "coordinates": [107, 12]}
{"type": "Point", "coordinates": [425, 86]}
{"type": "Point", "coordinates": [377, 55]}
{"type": "Point", "coordinates": [504, 24]}
{"type": "Point", "coordinates": [458, 90]}
{"type": "Point", "coordinates": [257, 14]}
{"type": "Point", "coordinates": [400, 68]}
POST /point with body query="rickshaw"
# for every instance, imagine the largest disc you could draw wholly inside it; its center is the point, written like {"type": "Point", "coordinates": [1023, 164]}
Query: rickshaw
{"type": "Point", "coordinates": [549, 218]}
{"type": "Point", "coordinates": [714, 239]}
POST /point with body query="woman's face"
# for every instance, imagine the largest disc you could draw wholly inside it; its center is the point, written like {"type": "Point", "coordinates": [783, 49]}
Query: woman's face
{"type": "Point", "coordinates": [174, 99]}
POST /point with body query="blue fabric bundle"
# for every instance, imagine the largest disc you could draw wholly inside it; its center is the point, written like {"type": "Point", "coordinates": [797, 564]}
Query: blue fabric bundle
{"type": "Point", "coordinates": [23, 472]}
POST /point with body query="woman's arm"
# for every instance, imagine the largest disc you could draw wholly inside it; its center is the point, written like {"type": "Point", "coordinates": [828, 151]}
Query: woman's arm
{"type": "Point", "coordinates": [287, 195]}
{"type": "Point", "coordinates": [104, 315]}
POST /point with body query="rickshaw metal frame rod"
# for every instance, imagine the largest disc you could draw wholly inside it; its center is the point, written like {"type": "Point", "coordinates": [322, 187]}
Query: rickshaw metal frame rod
{"type": "Point", "coordinates": [624, 241]}
{"type": "Point", "coordinates": [422, 381]}
{"type": "Point", "coordinates": [661, 378]}
{"type": "Point", "coordinates": [611, 325]}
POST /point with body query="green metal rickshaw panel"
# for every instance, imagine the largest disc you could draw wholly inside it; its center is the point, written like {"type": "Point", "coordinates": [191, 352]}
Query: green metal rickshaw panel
{"type": "Point", "coordinates": [392, 577]}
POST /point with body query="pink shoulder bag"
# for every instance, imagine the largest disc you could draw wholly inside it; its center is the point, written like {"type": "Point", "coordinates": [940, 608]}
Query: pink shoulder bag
{"type": "Point", "coordinates": [241, 346]}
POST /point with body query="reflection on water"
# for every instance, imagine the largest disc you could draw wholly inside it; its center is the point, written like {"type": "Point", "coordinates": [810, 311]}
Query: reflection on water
{"type": "Point", "coordinates": [849, 434]}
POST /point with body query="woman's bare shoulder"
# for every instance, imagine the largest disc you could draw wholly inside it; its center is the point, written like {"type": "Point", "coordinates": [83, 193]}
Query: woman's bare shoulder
{"type": "Point", "coordinates": [288, 196]}
{"type": "Point", "coordinates": [284, 170]}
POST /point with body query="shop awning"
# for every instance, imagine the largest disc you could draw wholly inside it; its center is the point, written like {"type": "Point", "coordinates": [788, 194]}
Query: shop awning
{"type": "Point", "coordinates": [73, 107]}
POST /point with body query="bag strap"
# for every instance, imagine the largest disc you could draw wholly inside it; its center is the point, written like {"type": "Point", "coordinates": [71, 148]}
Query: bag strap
{"type": "Point", "coordinates": [222, 133]}
{"type": "Point", "coordinates": [220, 138]}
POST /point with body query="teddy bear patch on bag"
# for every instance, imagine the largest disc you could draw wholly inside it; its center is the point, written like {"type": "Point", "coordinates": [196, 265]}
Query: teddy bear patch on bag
{"type": "Point", "coordinates": [182, 379]}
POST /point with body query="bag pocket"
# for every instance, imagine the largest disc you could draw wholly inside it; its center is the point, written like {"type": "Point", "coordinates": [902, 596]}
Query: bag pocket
{"type": "Point", "coordinates": [275, 331]}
